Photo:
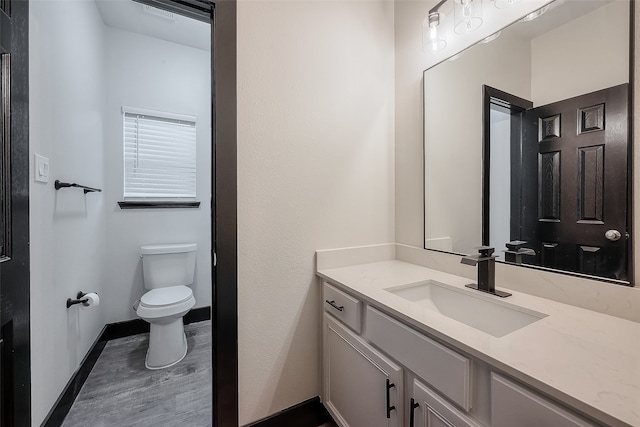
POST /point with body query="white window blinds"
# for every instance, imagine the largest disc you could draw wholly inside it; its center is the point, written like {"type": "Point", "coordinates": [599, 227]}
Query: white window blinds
{"type": "Point", "coordinates": [159, 155]}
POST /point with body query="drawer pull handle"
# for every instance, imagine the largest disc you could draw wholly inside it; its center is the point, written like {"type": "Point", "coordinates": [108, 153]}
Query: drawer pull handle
{"type": "Point", "coordinates": [332, 303]}
{"type": "Point", "coordinates": [412, 407]}
{"type": "Point", "coordinates": [390, 385]}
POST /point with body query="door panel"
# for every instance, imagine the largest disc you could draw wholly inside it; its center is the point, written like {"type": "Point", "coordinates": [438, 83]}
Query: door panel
{"type": "Point", "coordinates": [549, 206]}
{"type": "Point", "coordinates": [581, 151]}
{"type": "Point", "coordinates": [591, 185]}
{"type": "Point", "coordinates": [355, 385]}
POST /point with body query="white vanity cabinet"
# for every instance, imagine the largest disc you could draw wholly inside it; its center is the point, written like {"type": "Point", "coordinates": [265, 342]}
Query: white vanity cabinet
{"type": "Point", "coordinates": [362, 387]}
{"type": "Point", "coordinates": [428, 409]}
{"type": "Point", "coordinates": [446, 370]}
{"type": "Point", "coordinates": [368, 354]}
{"type": "Point", "coordinates": [514, 405]}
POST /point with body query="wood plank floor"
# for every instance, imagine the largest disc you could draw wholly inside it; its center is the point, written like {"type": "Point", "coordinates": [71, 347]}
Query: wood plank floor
{"type": "Point", "coordinates": [121, 392]}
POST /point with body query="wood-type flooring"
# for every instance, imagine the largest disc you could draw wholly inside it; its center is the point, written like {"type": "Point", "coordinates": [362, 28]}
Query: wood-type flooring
{"type": "Point", "coordinates": [121, 392]}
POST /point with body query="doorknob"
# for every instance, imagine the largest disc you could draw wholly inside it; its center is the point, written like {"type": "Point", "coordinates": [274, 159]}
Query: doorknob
{"type": "Point", "coordinates": [612, 235]}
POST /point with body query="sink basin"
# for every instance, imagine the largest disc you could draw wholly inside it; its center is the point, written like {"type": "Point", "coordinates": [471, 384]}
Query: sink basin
{"type": "Point", "coordinates": [480, 311]}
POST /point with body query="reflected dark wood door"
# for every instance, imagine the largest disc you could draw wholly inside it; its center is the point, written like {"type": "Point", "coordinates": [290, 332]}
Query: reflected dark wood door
{"type": "Point", "coordinates": [578, 150]}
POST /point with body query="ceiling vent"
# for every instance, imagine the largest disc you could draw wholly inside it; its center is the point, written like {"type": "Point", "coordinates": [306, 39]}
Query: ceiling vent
{"type": "Point", "coordinates": [159, 12]}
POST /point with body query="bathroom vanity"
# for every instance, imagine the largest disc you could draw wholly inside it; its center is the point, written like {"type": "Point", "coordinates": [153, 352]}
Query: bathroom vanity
{"type": "Point", "coordinates": [405, 345]}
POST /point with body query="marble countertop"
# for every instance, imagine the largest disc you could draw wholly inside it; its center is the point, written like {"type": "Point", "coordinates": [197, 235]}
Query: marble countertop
{"type": "Point", "coordinates": [588, 360]}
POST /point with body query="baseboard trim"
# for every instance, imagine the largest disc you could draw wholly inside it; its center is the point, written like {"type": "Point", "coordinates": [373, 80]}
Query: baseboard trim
{"type": "Point", "coordinates": [111, 331]}
{"type": "Point", "coordinates": [61, 408]}
{"type": "Point", "coordinates": [310, 413]}
{"type": "Point", "coordinates": [139, 326]}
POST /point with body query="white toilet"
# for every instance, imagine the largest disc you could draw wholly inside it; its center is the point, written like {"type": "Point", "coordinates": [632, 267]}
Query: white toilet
{"type": "Point", "coordinates": [168, 271]}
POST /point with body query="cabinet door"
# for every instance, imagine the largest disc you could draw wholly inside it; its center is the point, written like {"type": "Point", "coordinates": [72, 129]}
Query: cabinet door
{"type": "Point", "coordinates": [513, 405]}
{"type": "Point", "coordinates": [431, 410]}
{"type": "Point", "coordinates": [362, 388]}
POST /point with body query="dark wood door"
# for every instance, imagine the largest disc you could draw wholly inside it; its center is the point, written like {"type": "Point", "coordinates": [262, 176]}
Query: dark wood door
{"type": "Point", "coordinates": [579, 147]}
{"type": "Point", "coordinates": [15, 370]}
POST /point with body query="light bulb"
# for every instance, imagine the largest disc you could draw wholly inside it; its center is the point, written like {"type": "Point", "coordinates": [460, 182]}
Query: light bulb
{"type": "Point", "coordinates": [434, 40]}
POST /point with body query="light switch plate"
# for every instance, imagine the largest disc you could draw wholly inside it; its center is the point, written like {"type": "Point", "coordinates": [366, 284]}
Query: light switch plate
{"type": "Point", "coordinates": [41, 170]}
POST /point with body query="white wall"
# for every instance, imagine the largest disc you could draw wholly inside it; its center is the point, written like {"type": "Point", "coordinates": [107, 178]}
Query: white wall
{"type": "Point", "coordinates": [409, 65]}
{"type": "Point", "coordinates": [453, 147]}
{"type": "Point", "coordinates": [67, 228]}
{"type": "Point", "coordinates": [569, 61]}
{"type": "Point", "coordinates": [157, 75]}
{"type": "Point", "coordinates": [81, 73]}
{"type": "Point", "coordinates": [315, 170]}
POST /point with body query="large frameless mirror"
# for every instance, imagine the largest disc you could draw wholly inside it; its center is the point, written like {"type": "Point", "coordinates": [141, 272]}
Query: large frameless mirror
{"type": "Point", "coordinates": [527, 140]}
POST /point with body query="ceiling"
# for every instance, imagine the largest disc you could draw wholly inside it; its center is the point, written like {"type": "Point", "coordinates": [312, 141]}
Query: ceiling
{"type": "Point", "coordinates": [138, 18]}
{"type": "Point", "coordinates": [563, 11]}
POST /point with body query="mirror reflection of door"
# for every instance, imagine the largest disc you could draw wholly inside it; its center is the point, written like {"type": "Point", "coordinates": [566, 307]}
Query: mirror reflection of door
{"type": "Point", "coordinates": [568, 189]}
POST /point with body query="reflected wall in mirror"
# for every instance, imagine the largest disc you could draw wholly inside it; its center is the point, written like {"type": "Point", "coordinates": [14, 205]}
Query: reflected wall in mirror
{"type": "Point", "coordinates": [527, 139]}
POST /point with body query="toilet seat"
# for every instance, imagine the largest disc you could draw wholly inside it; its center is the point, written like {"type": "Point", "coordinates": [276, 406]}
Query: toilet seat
{"type": "Point", "coordinates": [163, 297]}
{"type": "Point", "coordinates": [164, 302]}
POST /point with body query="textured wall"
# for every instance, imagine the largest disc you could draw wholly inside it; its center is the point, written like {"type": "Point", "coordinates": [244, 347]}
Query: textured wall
{"type": "Point", "coordinates": [315, 170]}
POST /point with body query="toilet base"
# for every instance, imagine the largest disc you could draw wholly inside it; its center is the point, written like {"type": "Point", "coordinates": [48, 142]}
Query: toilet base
{"type": "Point", "coordinates": [167, 344]}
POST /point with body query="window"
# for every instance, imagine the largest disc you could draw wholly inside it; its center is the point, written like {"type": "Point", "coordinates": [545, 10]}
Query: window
{"type": "Point", "coordinates": [159, 156]}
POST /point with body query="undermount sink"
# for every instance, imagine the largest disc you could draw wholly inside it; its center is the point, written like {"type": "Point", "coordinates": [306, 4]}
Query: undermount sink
{"type": "Point", "coordinates": [478, 311]}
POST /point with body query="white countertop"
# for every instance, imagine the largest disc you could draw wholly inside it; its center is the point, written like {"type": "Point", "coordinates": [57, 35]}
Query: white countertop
{"type": "Point", "coordinates": [589, 360]}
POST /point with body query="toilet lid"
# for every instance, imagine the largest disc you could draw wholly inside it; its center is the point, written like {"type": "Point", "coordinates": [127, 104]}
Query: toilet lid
{"type": "Point", "coordinates": [166, 296]}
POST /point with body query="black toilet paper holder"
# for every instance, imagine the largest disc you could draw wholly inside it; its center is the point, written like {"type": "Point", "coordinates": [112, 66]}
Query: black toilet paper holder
{"type": "Point", "coordinates": [78, 299]}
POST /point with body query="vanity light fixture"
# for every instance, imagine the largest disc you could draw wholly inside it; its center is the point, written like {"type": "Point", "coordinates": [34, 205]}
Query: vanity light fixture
{"type": "Point", "coordinates": [467, 15]}
{"type": "Point", "coordinates": [536, 14]}
{"type": "Point", "coordinates": [432, 38]}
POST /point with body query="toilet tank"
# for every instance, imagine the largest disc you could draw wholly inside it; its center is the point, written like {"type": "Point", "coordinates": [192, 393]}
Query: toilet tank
{"type": "Point", "coordinates": [168, 265]}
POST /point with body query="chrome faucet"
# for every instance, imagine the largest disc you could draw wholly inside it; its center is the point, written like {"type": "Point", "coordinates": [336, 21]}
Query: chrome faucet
{"type": "Point", "coordinates": [486, 262]}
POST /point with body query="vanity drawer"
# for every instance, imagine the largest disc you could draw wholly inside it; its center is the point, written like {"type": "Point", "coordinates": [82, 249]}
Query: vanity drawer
{"type": "Point", "coordinates": [444, 369]}
{"type": "Point", "coordinates": [513, 405]}
{"type": "Point", "coordinates": [343, 306]}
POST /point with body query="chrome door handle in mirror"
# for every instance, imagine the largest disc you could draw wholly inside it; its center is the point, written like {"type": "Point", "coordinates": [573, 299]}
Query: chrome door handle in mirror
{"type": "Point", "coordinates": [612, 235]}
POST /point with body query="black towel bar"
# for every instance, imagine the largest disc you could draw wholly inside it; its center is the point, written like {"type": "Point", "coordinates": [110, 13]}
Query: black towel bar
{"type": "Point", "coordinates": [59, 184]}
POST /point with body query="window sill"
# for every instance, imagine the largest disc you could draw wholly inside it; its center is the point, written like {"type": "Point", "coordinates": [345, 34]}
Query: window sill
{"type": "Point", "coordinates": [158, 205]}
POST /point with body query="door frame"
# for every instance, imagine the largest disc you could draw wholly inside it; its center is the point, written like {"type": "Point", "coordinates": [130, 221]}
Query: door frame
{"type": "Point", "coordinates": [516, 105]}
{"type": "Point", "coordinates": [224, 215]}
{"type": "Point", "coordinates": [221, 14]}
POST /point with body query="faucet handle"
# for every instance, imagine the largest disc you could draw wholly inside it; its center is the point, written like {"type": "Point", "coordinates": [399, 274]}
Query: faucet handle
{"type": "Point", "coordinates": [515, 250]}
{"type": "Point", "coordinates": [486, 251]}
{"type": "Point", "coordinates": [515, 245]}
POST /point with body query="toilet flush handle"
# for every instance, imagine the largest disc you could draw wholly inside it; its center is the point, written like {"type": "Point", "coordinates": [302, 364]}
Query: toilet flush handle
{"type": "Point", "coordinates": [136, 305]}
